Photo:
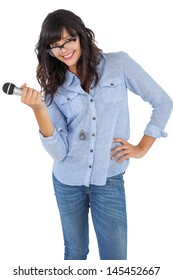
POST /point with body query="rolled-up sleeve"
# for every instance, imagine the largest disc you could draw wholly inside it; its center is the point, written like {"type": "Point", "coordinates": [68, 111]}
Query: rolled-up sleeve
{"type": "Point", "coordinates": [56, 145]}
{"type": "Point", "coordinates": [141, 83]}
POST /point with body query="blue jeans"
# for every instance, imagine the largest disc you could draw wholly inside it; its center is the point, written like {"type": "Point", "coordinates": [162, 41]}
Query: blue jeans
{"type": "Point", "coordinates": [108, 210]}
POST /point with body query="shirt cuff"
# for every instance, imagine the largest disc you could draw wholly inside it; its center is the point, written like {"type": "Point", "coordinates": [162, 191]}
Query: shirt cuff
{"type": "Point", "coordinates": [155, 131]}
{"type": "Point", "coordinates": [50, 139]}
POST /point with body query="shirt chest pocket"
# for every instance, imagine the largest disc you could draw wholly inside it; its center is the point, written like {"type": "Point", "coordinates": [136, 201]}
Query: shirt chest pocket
{"type": "Point", "coordinates": [112, 90]}
{"type": "Point", "coordinates": [70, 105]}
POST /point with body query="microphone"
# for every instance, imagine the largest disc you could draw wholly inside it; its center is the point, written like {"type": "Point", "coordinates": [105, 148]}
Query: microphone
{"type": "Point", "coordinates": [11, 89]}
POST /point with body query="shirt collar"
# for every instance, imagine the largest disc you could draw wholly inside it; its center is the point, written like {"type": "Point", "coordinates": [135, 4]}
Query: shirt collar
{"type": "Point", "coordinates": [68, 79]}
{"type": "Point", "coordinates": [71, 78]}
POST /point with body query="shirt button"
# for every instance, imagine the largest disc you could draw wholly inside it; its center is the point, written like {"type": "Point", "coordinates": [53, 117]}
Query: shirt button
{"type": "Point", "coordinates": [93, 134]}
{"type": "Point", "coordinates": [91, 87]}
{"type": "Point", "coordinates": [90, 166]}
{"type": "Point", "coordinates": [68, 98]}
{"type": "Point", "coordinates": [94, 118]}
{"type": "Point", "coordinates": [91, 151]}
{"type": "Point", "coordinates": [91, 100]}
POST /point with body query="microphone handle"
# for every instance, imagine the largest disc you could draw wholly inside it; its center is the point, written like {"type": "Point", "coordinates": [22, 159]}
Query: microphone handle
{"type": "Point", "coordinates": [18, 91]}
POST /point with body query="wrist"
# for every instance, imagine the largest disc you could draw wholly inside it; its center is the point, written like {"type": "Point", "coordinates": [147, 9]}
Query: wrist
{"type": "Point", "coordinates": [39, 108]}
{"type": "Point", "coordinates": [146, 143]}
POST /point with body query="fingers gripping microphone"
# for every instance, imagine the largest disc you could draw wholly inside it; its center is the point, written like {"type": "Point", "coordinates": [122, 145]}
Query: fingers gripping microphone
{"type": "Point", "coordinates": [11, 89]}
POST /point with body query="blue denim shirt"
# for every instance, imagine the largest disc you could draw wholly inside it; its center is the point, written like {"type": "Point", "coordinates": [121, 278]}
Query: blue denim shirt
{"type": "Point", "coordinates": [102, 115]}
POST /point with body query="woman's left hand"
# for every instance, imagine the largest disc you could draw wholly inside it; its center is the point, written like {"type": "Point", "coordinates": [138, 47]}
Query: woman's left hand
{"type": "Point", "coordinates": [126, 150]}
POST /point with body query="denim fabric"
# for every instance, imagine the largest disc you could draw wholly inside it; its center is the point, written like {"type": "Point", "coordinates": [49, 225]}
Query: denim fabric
{"type": "Point", "coordinates": [108, 209]}
{"type": "Point", "coordinates": [102, 114]}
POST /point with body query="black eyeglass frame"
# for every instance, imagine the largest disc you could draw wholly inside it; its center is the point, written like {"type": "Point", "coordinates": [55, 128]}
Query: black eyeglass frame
{"type": "Point", "coordinates": [62, 46]}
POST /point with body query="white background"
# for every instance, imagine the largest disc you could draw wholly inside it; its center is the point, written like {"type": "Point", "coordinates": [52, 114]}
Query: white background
{"type": "Point", "coordinates": [30, 232]}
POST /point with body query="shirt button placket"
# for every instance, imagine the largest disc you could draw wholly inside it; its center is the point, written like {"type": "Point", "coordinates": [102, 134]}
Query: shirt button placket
{"type": "Point", "coordinates": [92, 137]}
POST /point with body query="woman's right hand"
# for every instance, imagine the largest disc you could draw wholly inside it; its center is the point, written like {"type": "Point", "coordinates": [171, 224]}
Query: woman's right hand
{"type": "Point", "coordinates": [31, 97]}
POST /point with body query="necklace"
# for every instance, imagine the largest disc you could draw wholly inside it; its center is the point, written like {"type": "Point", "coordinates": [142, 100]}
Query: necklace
{"type": "Point", "coordinates": [82, 135]}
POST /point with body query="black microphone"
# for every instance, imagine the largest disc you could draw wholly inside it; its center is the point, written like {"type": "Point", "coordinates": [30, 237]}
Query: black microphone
{"type": "Point", "coordinates": [11, 89]}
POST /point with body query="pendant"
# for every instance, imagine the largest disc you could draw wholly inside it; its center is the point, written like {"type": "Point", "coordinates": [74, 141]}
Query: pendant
{"type": "Point", "coordinates": [82, 135]}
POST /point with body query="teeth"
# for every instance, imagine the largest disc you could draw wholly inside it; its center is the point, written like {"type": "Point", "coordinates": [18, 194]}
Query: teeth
{"type": "Point", "coordinates": [67, 56]}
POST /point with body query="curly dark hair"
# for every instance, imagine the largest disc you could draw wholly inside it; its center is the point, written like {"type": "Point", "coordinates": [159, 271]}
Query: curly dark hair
{"type": "Point", "coordinates": [50, 71]}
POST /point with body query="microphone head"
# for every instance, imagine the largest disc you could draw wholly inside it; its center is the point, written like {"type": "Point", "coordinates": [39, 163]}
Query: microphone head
{"type": "Point", "coordinates": [8, 88]}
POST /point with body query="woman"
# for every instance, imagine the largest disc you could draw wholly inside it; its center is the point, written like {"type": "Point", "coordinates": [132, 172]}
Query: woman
{"type": "Point", "coordinates": [84, 126]}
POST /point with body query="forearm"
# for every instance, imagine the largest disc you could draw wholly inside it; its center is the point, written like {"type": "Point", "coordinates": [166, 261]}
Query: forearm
{"type": "Point", "coordinates": [44, 122]}
{"type": "Point", "coordinates": [146, 143]}
{"type": "Point", "coordinates": [32, 98]}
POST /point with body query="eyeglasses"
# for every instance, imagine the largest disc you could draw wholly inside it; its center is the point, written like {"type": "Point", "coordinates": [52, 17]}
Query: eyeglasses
{"type": "Point", "coordinates": [68, 44]}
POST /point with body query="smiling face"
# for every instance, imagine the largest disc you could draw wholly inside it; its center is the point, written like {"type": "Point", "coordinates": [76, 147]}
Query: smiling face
{"type": "Point", "coordinates": [67, 50]}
